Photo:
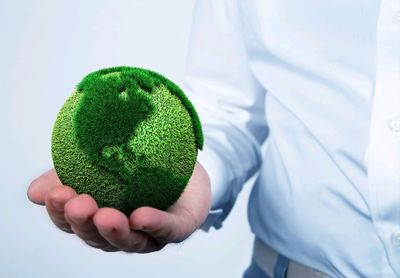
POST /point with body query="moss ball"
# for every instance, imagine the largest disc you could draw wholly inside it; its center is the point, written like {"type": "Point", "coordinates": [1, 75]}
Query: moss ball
{"type": "Point", "coordinates": [128, 137]}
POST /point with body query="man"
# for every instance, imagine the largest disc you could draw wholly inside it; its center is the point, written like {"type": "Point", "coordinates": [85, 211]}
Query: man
{"type": "Point", "coordinates": [319, 83]}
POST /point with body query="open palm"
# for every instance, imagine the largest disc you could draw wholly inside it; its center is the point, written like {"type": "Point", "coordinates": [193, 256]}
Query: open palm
{"type": "Point", "coordinates": [145, 230]}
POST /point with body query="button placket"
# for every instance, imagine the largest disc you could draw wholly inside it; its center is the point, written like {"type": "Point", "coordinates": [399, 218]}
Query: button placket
{"type": "Point", "coordinates": [394, 125]}
{"type": "Point", "coordinates": [396, 238]}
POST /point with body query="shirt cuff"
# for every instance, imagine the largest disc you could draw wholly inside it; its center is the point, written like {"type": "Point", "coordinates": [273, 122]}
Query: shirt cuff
{"type": "Point", "coordinates": [213, 219]}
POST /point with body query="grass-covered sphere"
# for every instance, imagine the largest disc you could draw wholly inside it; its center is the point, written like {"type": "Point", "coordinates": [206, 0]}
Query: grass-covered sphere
{"type": "Point", "coordinates": [128, 137]}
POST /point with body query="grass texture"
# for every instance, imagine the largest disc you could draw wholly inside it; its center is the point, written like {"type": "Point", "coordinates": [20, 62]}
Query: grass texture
{"type": "Point", "coordinates": [128, 137]}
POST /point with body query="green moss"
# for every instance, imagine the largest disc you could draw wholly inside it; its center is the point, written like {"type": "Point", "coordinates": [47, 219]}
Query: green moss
{"type": "Point", "coordinates": [128, 137]}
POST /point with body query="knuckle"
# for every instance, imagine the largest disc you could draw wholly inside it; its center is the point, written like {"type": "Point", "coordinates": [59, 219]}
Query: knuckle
{"type": "Point", "coordinates": [86, 234]}
{"type": "Point", "coordinates": [92, 237]}
{"type": "Point", "coordinates": [65, 228]}
{"type": "Point", "coordinates": [129, 245]}
{"type": "Point", "coordinates": [60, 223]}
{"type": "Point", "coordinates": [59, 220]}
{"type": "Point", "coordinates": [151, 245]}
{"type": "Point", "coordinates": [133, 247]}
{"type": "Point", "coordinates": [70, 205]}
{"type": "Point", "coordinates": [96, 244]}
{"type": "Point", "coordinates": [84, 229]}
{"type": "Point", "coordinates": [110, 248]}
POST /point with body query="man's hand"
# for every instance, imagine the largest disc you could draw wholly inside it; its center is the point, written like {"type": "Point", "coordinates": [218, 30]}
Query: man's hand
{"type": "Point", "coordinates": [146, 230]}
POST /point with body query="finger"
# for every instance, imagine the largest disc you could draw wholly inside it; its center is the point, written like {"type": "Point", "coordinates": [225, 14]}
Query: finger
{"type": "Point", "coordinates": [55, 201]}
{"type": "Point", "coordinates": [161, 225]}
{"type": "Point", "coordinates": [79, 212]}
{"type": "Point", "coordinates": [113, 225]}
{"type": "Point", "coordinates": [42, 185]}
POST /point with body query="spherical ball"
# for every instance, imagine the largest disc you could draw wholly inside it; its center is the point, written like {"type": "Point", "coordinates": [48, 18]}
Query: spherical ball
{"type": "Point", "coordinates": [128, 137]}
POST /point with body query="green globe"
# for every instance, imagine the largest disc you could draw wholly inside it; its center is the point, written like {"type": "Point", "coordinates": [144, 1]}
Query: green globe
{"type": "Point", "coordinates": [128, 137]}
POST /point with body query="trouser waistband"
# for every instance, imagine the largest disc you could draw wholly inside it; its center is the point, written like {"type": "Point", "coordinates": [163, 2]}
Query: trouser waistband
{"type": "Point", "coordinates": [275, 265]}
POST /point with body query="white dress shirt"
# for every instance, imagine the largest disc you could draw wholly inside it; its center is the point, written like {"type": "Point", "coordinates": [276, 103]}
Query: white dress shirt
{"type": "Point", "coordinates": [319, 82]}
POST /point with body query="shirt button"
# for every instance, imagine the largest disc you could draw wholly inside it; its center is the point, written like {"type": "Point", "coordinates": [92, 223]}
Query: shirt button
{"type": "Point", "coordinates": [394, 125]}
{"type": "Point", "coordinates": [396, 239]}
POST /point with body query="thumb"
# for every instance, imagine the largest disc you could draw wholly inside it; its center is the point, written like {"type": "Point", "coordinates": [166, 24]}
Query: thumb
{"type": "Point", "coordinates": [163, 226]}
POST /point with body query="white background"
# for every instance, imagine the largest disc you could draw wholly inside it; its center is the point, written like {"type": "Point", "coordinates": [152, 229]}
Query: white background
{"type": "Point", "coordinates": [46, 48]}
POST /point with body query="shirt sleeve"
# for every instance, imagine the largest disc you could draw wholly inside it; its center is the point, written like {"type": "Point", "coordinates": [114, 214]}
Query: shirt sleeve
{"type": "Point", "coordinates": [229, 100]}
